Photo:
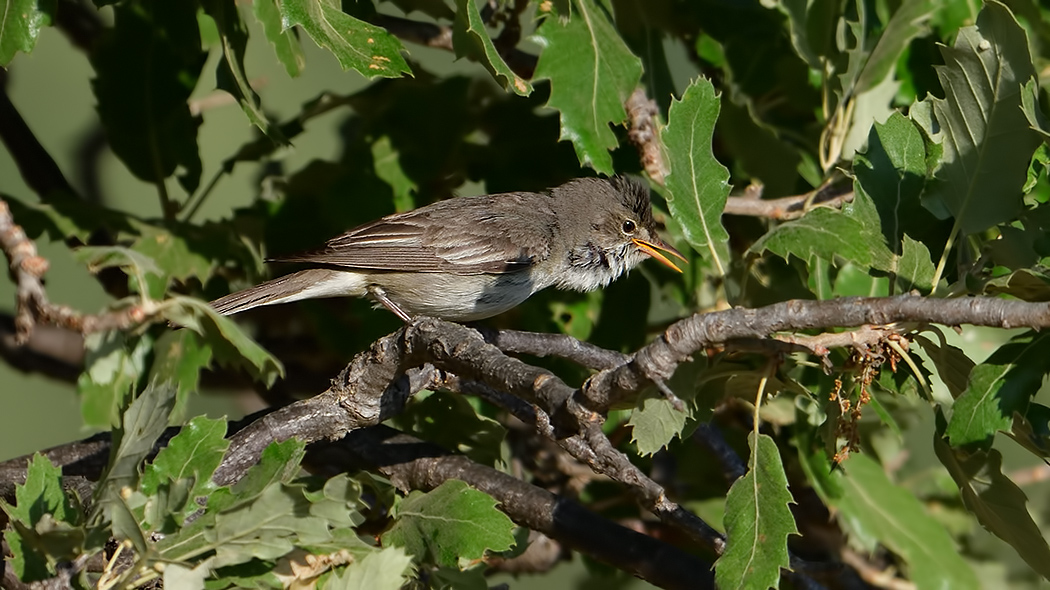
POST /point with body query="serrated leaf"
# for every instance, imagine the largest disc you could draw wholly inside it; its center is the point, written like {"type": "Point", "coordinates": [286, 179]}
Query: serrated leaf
{"type": "Point", "coordinates": [338, 502]}
{"type": "Point", "coordinates": [279, 463]}
{"type": "Point", "coordinates": [229, 344]}
{"type": "Point", "coordinates": [1025, 284]}
{"type": "Point", "coordinates": [368, 49]}
{"type": "Point", "coordinates": [873, 507]}
{"type": "Point", "coordinates": [266, 528]}
{"type": "Point", "coordinates": [449, 523]}
{"type": "Point", "coordinates": [655, 423]}
{"type": "Point", "coordinates": [192, 455]}
{"type": "Point", "coordinates": [997, 502]}
{"type": "Point", "coordinates": [284, 41]}
{"type": "Point", "coordinates": [230, 74]}
{"type": "Point", "coordinates": [141, 426]}
{"type": "Point", "coordinates": [470, 39]}
{"type": "Point", "coordinates": [909, 21]}
{"type": "Point", "coordinates": [20, 24]}
{"type": "Point", "coordinates": [998, 387]}
{"type": "Point", "coordinates": [381, 570]}
{"type": "Point", "coordinates": [697, 182]}
{"type": "Point", "coordinates": [586, 53]}
{"type": "Point", "coordinates": [892, 172]}
{"type": "Point", "coordinates": [986, 139]}
{"type": "Point", "coordinates": [952, 364]}
{"type": "Point", "coordinates": [758, 522]}
{"type": "Point", "coordinates": [169, 253]}
{"type": "Point", "coordinates": [40, 496]}
{"type": "Point", "coordinates": [143, 95]}
{"type": "Point", "coordinates": [821, 232]}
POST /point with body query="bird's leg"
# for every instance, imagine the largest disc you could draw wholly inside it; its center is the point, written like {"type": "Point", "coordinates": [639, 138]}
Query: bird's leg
{"type": "Point", "coordinates": [379, 295]}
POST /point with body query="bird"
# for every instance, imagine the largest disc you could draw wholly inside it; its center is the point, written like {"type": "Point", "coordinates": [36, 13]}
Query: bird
{"type": "Point", "coordinates": [469, 258]}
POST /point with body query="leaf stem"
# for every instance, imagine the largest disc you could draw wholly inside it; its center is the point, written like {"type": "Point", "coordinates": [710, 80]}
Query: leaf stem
{"type": "Point", "coordinates": [200, 197]}
{"type": "Point", "coordinates": [944, 255]}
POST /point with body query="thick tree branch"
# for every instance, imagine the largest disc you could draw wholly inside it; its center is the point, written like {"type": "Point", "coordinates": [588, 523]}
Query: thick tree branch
{"type": "Point", "coordinates": [412, 465]}
{"type": "Point", "coordinates": [660, 358]}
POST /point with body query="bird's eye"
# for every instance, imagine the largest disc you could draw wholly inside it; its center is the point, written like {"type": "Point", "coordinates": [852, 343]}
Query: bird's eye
{"type": "Point", "coordinates": [629, 226]}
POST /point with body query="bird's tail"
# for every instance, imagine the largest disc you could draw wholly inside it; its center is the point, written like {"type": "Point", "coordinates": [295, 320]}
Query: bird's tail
{"type": "Point", "coordinates": [305, 284]}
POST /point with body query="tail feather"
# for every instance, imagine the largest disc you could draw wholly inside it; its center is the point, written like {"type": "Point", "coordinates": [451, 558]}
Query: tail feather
{"type": "Point", "coordinates": [305, 284]}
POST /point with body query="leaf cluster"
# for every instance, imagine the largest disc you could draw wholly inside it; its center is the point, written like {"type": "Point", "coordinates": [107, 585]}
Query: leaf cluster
{"type": "Point", "coordinates": [887, 147]}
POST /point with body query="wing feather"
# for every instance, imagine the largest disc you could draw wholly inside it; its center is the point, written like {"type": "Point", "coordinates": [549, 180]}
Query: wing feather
{"type": "Point", "coordinates": [503, 233]}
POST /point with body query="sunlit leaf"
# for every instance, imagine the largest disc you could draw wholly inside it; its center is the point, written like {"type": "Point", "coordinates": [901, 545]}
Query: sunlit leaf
{"type": "Point", "coordinates": [451, 522]}
{"type": "Point", "coordinates": [997, 388]}
{"type": "Point", "coordinates": [697, 182]}
{"type": "Point", "coordinates": [586, 53]}
{"type": "Point", "coordinates": [985, 136]}
{"type": "Point", "coordinates": [470, 39]}
{"type": "Point", "coordinates": [369, 50]}
{"type": "Point", "coordinates": [758, 522]}
{"type": "Point", "coordinates": [284, 41]}
{"type": "Point", "coordinates": [20, 24]}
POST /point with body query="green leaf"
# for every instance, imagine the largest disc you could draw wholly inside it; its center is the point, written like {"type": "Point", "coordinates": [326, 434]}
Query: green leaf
{"type": "Point", "coordinates": [985, 136]}
{"type": "Point", "coordinates": [179, 356]}
{"type": "Point", "coordinates": [1032, 111]}
{"type": "Point", "coordinates": [952, 364]}
{"type": "Point", "coordinates": [1025, 284]}
{"type": "Point", "coordinates": [193, 455]}
{"type": "Point", "coordinates": [871, 506]}
{"type": "Point", "coordinates": [758, 522]}
{"type": "Point", "coordinates": [470, 39]}
{"type": "Point", "coordinates": [230, 74]}
{"type": "Point", "coordinates": [142, 424]}
{"type": "Point", "coordinates": [170, 253]}
{"type": "Point", "coordinates": [388, 168]}
{"type": "Point", "coordinates": [908, 22]}
{"type": "Point", "coordinates": [229, 344]}
{"type": "Point", "coordinates": [261, 508]}
{"type": "Point", "coordinates": [368, 49]}
{"type": "Point", "coordinates": [114, 364]}
{"type": "Point", "coordinates": [382, 570]}
{"type": "Point", "coordinates": [285, 42]}
{"type": "Point", "coordinates": [822, 232]}
{"type": "Point", "coordinates": [592, 73]}
{"type": "Point", "coordinates": [279, 463]}
{"type": "Point", "coordinates": [654, 423]}
{"type": "Point", "coordinates": [267, 528]}
{"type": "Point", "coordinates": [997, 502]}
{"type": "Point", "coordinates": [449, 523]}
{"type": "Point", "coordinates": [697, 181]}
{"type": "Point", "coordinates": [146, 67]}
{"type": "Point", "coordinates": [338, 502]}
{"type": "Point", "coordinates": [892, 173]}
{"type": "Point", "coordinates": [998, 387]}
{"type": "Point", "coordinates": [811, 25]}
{"type": "Point", "coordinates": [40, 496]}
{"type": "Point", "coordinates": [20, 26]}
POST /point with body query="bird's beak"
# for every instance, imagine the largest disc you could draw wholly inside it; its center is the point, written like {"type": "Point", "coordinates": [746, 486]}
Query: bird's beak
{"type": "Point", "coordinates": [656, 248]}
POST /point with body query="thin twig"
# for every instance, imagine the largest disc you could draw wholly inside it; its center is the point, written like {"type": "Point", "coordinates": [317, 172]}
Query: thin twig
{"type": "Point", "coordinates": [32, 305]}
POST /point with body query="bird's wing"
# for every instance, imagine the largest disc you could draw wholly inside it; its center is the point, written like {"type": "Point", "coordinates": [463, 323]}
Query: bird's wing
{"type": "Point", "coordinates": [465, 235]}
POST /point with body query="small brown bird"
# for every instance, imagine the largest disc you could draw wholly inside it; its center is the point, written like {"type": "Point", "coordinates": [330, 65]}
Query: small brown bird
{"type": "Point", "coordinates": [470, 258]}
